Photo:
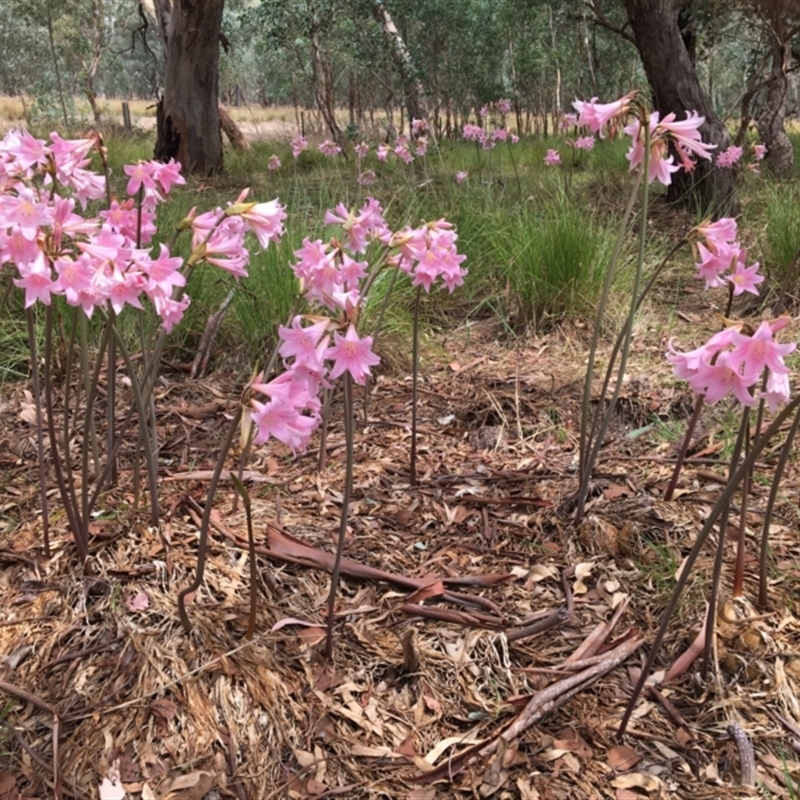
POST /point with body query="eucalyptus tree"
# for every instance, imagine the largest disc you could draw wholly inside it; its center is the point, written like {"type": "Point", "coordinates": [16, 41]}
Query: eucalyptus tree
{"type": "Point", "coordinates": [771, 93]}
{"type": "Point", "coordinates": [188, 123]}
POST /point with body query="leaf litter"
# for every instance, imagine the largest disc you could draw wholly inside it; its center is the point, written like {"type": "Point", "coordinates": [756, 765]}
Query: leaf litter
{"type": "Point", "coordinates": [484, 647]}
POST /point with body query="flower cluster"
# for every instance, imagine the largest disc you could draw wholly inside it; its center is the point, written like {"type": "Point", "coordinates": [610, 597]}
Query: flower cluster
{"type": "Point", "coordinates": [329, 148]}
{"type": "Point", "coordinates": [428, 253]}
{"type": "Point", "coordinates": [333, 279]}
{"type": "Point", "coordinates": [722, 258]}
{"type": "Point", "coordinates": [683, 135]}
{"type": "Point", "coordinates": [475, 133]}
{"type": "Point", "coordinates": [552, 158]}
{"type": "Point", "coordinates": [299, 145]}
{"type": "Point", "coordinates": [582, 143]}
{"type": "Point", "coordinates": [727, 158]}
{"type": "Point", "coordinates": [501, 106]}
{"type": "Point", "coordinates": [101, 261]}
{"type": "Point", "coordinates": [731, 361]}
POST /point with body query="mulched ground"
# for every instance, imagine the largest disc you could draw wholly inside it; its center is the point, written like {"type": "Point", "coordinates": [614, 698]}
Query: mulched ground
{"type": "Point", "coordinates": [455, 654]}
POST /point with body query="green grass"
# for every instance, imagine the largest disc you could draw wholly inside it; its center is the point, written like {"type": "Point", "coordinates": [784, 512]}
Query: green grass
{"type": "Point", "coordinates": [782, 238]}
{"type": "Point", "coordinates": [555, 259]}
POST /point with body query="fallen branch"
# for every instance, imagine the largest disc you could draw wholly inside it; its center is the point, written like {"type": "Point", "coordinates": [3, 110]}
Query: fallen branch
{"type": "Point", "coordinates": [541, 703]}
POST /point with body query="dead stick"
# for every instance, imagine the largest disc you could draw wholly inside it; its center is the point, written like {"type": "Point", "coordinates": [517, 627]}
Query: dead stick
{"type": "Point", "coordinates": [10, 688]}
{"type": "Point", "coordinates": [747, 758]}
{"type": "Point", "coordinates": [669, 707]}
{"type": "Point", "coordinates": [594, 641]}
{"type": "Point", "coordinates": [557, 693]}
{"type": "Point", "coordinates": [558, 617]}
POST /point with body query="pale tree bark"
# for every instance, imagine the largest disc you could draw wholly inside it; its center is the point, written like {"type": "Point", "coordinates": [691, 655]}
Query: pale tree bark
{"type": "Point", "coordinates": [188, 124]}
{"type": "Point", "coordinates": [414, 91]}
{"type": "Point", "coordinates": [676, 89]}
{"type": "Point", "coordinates": [323, 88]}
{"type": "Point", "coordinates": [94, 31]}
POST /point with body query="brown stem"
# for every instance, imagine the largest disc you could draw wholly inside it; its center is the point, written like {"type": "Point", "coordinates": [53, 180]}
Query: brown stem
{"type": "Point", "coordinates": [724, 500]}
{"type": "Point", "coordinates": [783, 460]}
{"type": "Point", "coordinates": [716, 577]}
{"type": "Point", "coordinates": [37, 399]}
{"type": "Point", "coordinates": [687, 439]}
{"type": "Point", "coordinates": [68, 498]}
{"type": "Point", "coordinates": [412, 467]}
{"type": "Point", "coordinates": [202, 544]}
{"type": "Point", "coordinates": [348, 487]}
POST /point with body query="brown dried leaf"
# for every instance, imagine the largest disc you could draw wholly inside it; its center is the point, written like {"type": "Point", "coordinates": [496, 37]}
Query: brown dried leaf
{"type": "Point", "coordinates": [8, 786]}
{"type": "Point", "coordinates": [526, 790]}
{"type": "Point", "coordinates": [621, 757]}
{"type": "Point", "coordinates": [428, 793]}
{"type": "Point", "coordinates": [637, 780]}
{"type": "Point", "coordinates": [164, 709]}
{"type": "Point", "coordinates": [193, 786]}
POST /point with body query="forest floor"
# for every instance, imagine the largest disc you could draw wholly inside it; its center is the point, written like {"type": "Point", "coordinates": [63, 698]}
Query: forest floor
{"type": "Point", "coordinates": [468, 604]}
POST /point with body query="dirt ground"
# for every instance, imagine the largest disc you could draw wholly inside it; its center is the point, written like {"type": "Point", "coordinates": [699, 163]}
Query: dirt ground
{"type": "Point", "coordinates": [485, 646]}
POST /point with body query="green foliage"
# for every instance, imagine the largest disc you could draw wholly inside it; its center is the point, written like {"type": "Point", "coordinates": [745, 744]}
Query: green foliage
{"type": "Point", "coordinates": [555, 260]}
{"type": "Point", "coordinates": [782, 238]}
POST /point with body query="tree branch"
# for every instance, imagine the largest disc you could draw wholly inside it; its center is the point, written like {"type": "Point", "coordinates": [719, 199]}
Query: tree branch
{"type": "Point", "coordinates": [604, 22]}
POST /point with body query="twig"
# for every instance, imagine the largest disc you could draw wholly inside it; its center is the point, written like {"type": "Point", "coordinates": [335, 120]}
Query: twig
{"type": "Point", "coordinates": [540, 704]}
{"type": "Point", "coordinates": [558, 617]}
{"type": "Point", "coordinates": [747, 759]}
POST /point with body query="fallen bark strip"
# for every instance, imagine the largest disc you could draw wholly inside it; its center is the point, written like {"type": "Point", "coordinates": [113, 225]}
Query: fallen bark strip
{"type": "Point", "coordinates": [540, 704]}
{"type": "Point", "coordinates": [284, 547]}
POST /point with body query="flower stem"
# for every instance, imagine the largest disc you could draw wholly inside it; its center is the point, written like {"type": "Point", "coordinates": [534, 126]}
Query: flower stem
{"type": "Point", "coordinates": [412, 467]}
{"type": "Point", "coordinates": [37, 400]}
{"type": "Point", "coordinates": [205, 523]}
{"type": "Point", "coordinates": [348, 487]}
{"type": "Point", "coordinates": [698, 407]}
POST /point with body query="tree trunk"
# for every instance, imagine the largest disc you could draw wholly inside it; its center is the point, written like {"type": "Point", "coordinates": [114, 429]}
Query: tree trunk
{"type": "Point", "coordinates": [412, 87]}
{"type": "Point", "coordinates": [770, 118]}
{"type": "Point", "coordinates": [323, 88]}
{"type": "Point", "coordinates": [676, 89]}
{"type": "Point", "coordinates": [187, 116]}
{"type": "Point", "coordinates": [234, 133]}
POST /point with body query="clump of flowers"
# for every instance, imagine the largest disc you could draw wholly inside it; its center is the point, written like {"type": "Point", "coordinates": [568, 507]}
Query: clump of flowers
{"type": "Point", "coordinates": [299, 145]}
{"type": "Point", "coordinates": [100, 261]}
{"type": "Point", "coordinates": [582, 143]}
{"type": "Point", "coordinates": [727, 158]}
{"type": "Point", "coordinates": [684, 135]}
{"type": "Point", "coordinates": [721, 258]}
{"type": "Point", "coordinates": [461, 176]}
{"type": "Point", "coordinates": [329, 148]}
{"type": "Point", "coordinates": [552, 158]}
{"type": "Point", "coordinates": [273, 163]}
{"type": "Point", "coordinates": [733, 362]}
{"type": "Point", "coordinates": [333, 279]}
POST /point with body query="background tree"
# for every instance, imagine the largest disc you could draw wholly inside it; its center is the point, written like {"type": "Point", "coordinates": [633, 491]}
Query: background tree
{"type": "Point", "coordinates": [188, 124]}
{"type": "Point", "coordinates": [663, 34]}
{"type": "Point", "coordinates": [771, 94]}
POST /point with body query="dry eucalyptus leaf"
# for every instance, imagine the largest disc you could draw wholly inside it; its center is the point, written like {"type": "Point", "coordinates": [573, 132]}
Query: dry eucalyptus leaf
{"type": "Point", "coordinates": [621, 757]}
{"type": "Point", "coordinates": [582, 572]}
{"type": "Point", "coordinates": [637, 780]}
